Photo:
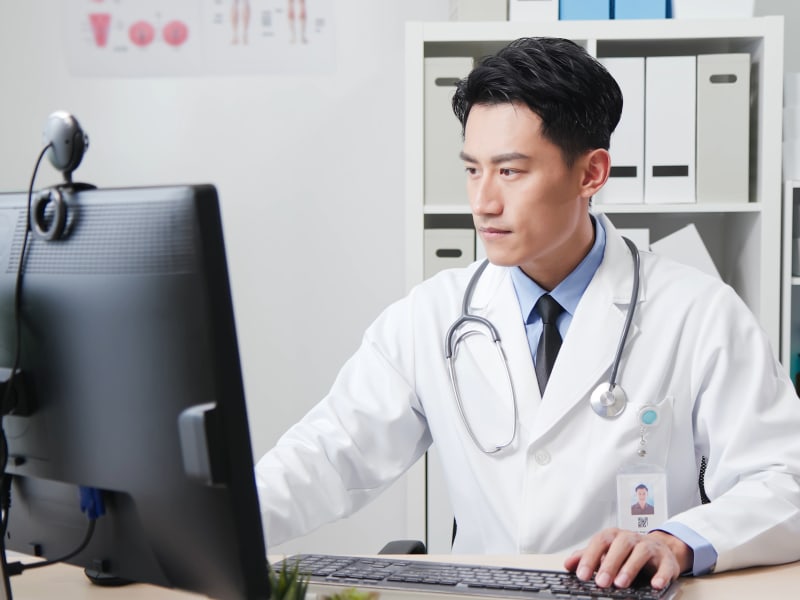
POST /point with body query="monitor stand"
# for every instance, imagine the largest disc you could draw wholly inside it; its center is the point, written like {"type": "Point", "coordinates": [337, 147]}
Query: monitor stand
{"type": "Point", "coordinates": [104, 579]}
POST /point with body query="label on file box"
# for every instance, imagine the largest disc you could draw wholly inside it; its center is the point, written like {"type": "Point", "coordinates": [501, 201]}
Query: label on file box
{"type": "Point", "coordinates": [625, 183]}
{"type": "Point", "coordinates": [670, 101]}
{"type": "Point", "coordinates": [447, 248]}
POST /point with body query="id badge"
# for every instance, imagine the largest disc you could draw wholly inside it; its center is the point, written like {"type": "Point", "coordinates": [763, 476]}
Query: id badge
{"type": "Point", "coordinates": [641, 497]}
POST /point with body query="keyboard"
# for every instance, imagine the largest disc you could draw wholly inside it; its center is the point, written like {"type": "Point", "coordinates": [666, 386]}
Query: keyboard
{"type": "Point", "coordinates": [401, 578]}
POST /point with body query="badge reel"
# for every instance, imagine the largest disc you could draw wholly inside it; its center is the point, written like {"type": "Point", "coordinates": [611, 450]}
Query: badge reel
{"type": "Point", "coordinates": [641, 485]}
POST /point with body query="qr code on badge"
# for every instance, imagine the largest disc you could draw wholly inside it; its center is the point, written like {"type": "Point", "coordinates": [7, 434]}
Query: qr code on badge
{"type": "Point", "coordinates": [642, 522]}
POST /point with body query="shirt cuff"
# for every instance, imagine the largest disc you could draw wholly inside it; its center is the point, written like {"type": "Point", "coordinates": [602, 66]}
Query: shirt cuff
{"type": "Point", "coordinates": [705, 557]}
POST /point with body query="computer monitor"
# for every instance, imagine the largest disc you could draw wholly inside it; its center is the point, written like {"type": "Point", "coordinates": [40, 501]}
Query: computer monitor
{"type": "Point", "coordinates": [129, 357]}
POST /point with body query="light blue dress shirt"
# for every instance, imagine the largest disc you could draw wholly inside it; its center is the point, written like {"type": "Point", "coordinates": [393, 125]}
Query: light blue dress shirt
{"type": "Point", "coordinates": [568, 294]}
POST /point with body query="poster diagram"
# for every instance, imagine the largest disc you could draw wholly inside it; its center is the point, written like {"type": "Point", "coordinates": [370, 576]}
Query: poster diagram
{"type": "Point", "coordinates": [275, 36]}
{"type": "Point", "coordinates": [136, 38]}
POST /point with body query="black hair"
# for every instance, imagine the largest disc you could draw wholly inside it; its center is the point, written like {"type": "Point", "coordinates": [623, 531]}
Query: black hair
{"type": "Point", "coordinates": [576, 98]}
{"type": "Point", "coordinates": [641, 486]}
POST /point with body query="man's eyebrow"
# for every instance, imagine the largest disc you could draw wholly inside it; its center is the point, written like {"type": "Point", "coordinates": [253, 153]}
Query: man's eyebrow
{"type": "Point", "coordinates": [500, 158]}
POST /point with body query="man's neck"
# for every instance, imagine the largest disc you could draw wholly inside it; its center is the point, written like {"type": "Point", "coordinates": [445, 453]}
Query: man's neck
{"type": "Point", "coordinates": [548, 276]}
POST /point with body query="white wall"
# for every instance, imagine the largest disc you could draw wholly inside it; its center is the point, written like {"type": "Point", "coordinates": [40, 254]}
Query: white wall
{"type": "Point", "coordinates": [310, 175]}
{"type": "Point", "coordinates": [790, 9]}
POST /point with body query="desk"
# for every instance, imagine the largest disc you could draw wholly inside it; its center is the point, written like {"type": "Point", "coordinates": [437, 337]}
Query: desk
{"type": "Point", "coordinates": [69, 583]}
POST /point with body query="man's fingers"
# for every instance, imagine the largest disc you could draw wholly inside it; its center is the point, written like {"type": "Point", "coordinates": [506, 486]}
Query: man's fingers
{"type": "Point", "coordinates": [668, 571]}
{"type": "Point", "coordinates": [588, 560]}
{"type": "Point", "coordinates": [616, 557]}
{"type": "Point", "coordinates": [647, 553]}
{"type": "Point", "coordinates": [622, 562]}
{"type": "Point", "coordinates": [571, 562]}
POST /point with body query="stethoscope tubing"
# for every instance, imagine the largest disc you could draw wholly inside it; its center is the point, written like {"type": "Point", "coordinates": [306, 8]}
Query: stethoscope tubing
{"type": "Point", "coordinates": [451, 343]}
{"type": "Point", "coordinates": [612, 381]}
{"type": "Point", "coordinates": [449, 346]}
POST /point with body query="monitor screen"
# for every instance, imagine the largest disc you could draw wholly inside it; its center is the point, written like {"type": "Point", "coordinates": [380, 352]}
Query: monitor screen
{"type": "Point", "coordinates": [130, 365]}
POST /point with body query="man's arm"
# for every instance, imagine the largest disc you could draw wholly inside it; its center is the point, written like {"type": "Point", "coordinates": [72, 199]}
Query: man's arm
{"type": "Point", "coordinates": [744, 404]}
{"type": "Point", "coordinates": [361, 437]}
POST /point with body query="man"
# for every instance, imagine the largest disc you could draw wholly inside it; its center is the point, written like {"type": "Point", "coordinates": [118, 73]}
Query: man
{"type": "Point", "coordinates": [537, 121]}
{"type": "Point", "coordinates": [641, 506]}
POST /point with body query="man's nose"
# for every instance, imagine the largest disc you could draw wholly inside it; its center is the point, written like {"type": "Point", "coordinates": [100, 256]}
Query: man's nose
{"type": "Point", "coordinates": [484, 197]}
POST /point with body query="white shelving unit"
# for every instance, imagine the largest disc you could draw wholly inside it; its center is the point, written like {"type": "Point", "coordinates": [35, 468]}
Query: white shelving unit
{"type": "Point", "coordinates": [790, 304]}
{"type": "Point", "coordinates": [744, 239]}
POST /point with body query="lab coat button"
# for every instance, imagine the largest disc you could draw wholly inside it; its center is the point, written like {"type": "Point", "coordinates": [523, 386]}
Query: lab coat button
{"type": "Point", "coordinates": [542, 457]}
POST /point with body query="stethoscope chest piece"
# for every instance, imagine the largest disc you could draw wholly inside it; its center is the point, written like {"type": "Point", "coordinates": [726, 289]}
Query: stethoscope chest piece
{"type": "Point", "coordinates": [608, 400]}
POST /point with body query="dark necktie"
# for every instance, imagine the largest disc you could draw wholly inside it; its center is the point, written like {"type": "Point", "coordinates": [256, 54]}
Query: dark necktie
{"type": "Point", "coordinates": [550, 342]}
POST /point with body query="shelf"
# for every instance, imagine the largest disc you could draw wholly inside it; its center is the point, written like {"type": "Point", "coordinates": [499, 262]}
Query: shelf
{"type": "Point", "coordinates": [744, 239]}
{"type": "Point", "coordinates": [790, 300]}
{"type": "Point", "coordinates": [446, 209]}
{"type": "Point", "coordinates": [700, 207]}
{"type": "Point", "coordinates": [644, 30]}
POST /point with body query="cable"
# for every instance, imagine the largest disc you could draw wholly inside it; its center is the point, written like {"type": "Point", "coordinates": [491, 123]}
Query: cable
{"type": "Point", "coordinates": [18, 293]}
{"type": "Point", "coordinates": [4, 500]}
{"type": "Point", "coordinates": [16, 568]}
{"type": "Point", "coordinates": [5, 479]}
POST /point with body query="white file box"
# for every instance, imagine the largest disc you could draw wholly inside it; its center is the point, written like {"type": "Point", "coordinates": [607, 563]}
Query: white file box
{"type": "Point", "coordinates": [723, 127]}
{"type": "Point", "coordinates": [625, 183]}
{"type": "Point", "coordinates": [444, 170]}
{"type": "Point", "coordinates": [533, 10]}
{"type": "Point", "coordinates": [669, 132]}
{"type": "Point", "coordinates": [447, 248]}
{"type": "Point", "coordinates": [714, 9]}
{"type": "Point", "coordinates": [478, 10]}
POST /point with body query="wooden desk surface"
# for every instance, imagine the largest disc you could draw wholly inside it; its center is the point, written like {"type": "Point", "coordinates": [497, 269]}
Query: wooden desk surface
{"type": "Point", "coordinates": [69, 583]}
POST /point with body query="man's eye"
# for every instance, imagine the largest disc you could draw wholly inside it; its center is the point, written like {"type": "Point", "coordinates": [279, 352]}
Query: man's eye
{"type": "Point", "coordinates": [470, 170]}
{"type": "Point", "coordinates": [507, 171]}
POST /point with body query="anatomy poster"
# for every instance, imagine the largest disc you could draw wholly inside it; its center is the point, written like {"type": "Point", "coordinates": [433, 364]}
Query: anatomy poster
{"type": "Point", "coordinates": [139, 38]}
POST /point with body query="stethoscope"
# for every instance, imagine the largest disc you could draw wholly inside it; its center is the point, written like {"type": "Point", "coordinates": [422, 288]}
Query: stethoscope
{"type": "Point", "coordinates": [608, 400]}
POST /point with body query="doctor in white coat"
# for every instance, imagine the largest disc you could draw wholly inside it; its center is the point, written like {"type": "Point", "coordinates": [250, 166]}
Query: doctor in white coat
{"type": "Point", "coordinates": [709, 409]}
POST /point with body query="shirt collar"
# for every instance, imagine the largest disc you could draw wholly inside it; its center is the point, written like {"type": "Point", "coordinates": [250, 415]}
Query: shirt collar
{"type": "Point", "coordinates": [567, 293]}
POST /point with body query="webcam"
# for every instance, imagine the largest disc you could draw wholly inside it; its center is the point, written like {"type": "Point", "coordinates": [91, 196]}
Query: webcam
{"type": "Point", "coordinates": [67, 142]}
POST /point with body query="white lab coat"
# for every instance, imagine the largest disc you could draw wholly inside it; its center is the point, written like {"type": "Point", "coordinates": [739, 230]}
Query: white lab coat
{"type": "Point", "coordinates": [694, 350]}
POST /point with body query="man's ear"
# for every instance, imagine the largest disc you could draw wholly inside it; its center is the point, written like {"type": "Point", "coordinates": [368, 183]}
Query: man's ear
{"type": "Point", "coordinates": [595, 166]}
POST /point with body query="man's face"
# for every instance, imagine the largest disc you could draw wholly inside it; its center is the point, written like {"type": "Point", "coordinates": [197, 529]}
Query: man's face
{"type": "Point", "coordinates": [528, 206]}
{"type": "Point", "coordinates": [641, 494]}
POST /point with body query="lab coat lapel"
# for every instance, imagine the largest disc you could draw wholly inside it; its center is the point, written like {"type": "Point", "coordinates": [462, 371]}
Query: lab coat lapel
{"type": "Point", "coordinates": [588, 350]}
{"type": "Point", "coordinates": [495, 299]}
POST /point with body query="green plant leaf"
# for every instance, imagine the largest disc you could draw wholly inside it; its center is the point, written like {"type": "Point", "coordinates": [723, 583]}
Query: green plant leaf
{"type": "Point", "coordinates": [288, 583]}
